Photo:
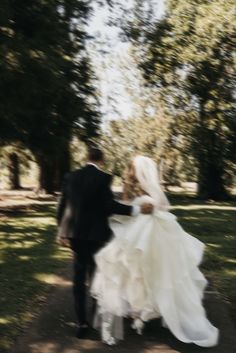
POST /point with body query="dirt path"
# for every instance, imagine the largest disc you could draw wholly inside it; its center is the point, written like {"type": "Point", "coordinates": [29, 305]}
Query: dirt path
{"type": "Point", "coordinates": [54, 330]}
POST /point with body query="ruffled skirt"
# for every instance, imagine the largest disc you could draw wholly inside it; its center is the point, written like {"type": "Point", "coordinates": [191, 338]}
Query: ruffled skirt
{"type": "Point", "coordinates": [150, 269]}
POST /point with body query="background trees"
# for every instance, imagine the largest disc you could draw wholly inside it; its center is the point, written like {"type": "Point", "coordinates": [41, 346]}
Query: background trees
{"type": "Point", "coordinates": [190, 58]}
{"type": "Point", "coordinates": [46, 90]}
{"type": "Point", "coordinates": [177, 74]}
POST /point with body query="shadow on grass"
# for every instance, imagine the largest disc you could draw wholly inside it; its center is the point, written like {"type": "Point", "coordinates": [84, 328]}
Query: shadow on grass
{"type": "Point", "coordinates": [29, 255]}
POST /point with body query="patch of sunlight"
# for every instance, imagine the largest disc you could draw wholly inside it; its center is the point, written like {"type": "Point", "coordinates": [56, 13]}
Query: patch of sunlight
{"type": "Point", "coordinates": [46, 347]}
{"type": "Point", "coordinates": [16, 235]}
{"type": "Point", "coordinates": [230, 272]}
{"type": "Point", "coordinates": [52, 279]}
{"type": "Point", "coordinates": [17, 245]}
{"type": "Point", "coordinates": [28, 244]}
{"type": "Point", "coordinates": [8, 319]}
{"type": "Point", "coordinates": [229, 236]}
{"type": "Point", "coordinates": [27, 316]}
{"type": "Point", "coordinates": [84, 345]}
{"type": "Point", "coordinates": [203, 207]}
{"type": "Point", "coordinates": [21, 244]}
{"type": "Point", "coordinates": [214, 245]}
{"type": "Point", "coordinates": [190, 218]}
{"type": "Point", "coordinates": [4, 321]}
{"type": "Point", "coordinates": [31, 221]}
{"type": "Point", "coordinates": [62, 256]}
{"type": "Point", "coordinates": [45, 278]}
{"type": "Point", "coordinates": [44, 220]}
{"type": "Point", "coordinates": [30, 234]}
{"type": "Point", "coordinates": [232, 261]}
{"type": "Point", "coordinates": [24, 257]}
{"type": "Point", "coordinates": [19, 240]}
{"type": "Point", "coordinates": [12, 237]}
{"type": "Point", "coordinates": [17, 221]}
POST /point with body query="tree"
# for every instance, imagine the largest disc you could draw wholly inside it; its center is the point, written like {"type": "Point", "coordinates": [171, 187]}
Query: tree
{"type": "Point", "coordinates": [150, 136]}
{"type": "Point", "coordinates": [190, 59]}
{"type": "Point", "coordinates": [14, 169]}
{"type": "Point", "coordinates": [15, 162]}
{"type": "Point", "coordinates": [46, 84]}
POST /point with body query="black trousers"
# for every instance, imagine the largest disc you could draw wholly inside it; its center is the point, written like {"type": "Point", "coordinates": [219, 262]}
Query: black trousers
{"type": "Point", "coordinates": [84, 266]}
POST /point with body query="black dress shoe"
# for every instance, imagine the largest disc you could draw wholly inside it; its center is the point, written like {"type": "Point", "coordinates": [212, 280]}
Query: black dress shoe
{"type": "Point", "coordinates": [82, 331]}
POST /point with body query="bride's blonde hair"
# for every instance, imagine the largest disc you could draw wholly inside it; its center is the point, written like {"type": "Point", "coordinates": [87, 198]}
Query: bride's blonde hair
{"type": "Point", "coordinates": [131, 186]}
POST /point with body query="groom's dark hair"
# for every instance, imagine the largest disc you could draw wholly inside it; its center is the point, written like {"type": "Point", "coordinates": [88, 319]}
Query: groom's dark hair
{"type": "Point", "coordinates": [95, 154]}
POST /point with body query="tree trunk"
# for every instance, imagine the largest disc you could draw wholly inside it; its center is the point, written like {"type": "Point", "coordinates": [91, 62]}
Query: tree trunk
{"type": "Point", "coordinates": [63, 166]}
{"type": "Point", "coordinates": [46, 174]}
{"type": "Point", "coordinates": [14, 171]}
{"type": "Point", "coordinates": [52, 169]}
{"type": "Point", "coordinates": [210, 167]}
{"type": "Point", "coordinates": [210, 155]}
{"type": "Point", "coordinates": [211, 182]}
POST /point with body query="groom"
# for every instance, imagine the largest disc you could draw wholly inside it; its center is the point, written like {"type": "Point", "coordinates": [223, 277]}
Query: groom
{"type": "Point", "coordinates": [85, 205]}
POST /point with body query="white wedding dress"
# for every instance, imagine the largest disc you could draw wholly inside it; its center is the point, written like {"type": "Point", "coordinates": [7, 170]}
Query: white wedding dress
{"type": "Point", "coordinates": [150, 269]}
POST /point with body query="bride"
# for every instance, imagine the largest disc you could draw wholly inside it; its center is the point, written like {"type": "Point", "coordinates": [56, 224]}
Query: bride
{"type": "Point", "coordinates": [150, 268]}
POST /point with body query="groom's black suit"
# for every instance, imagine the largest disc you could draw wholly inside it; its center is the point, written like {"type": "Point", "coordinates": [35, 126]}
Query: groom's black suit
{"type": "Point", "coordinates": [86, 203]}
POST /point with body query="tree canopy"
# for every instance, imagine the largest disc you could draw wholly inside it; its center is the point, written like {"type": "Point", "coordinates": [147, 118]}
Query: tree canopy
{"type": "Point", "coordinates": [46, 80]}
{"type": "Point", "coordinates": [189, 56]}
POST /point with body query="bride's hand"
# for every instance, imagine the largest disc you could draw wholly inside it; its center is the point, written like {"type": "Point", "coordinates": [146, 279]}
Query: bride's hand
{"type": "Point", "coordinates": [146, 208]}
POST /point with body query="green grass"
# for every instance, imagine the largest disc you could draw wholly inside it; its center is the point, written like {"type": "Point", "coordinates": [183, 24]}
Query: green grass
{"type": "Point", "coordinates": [29, 258]}
{"type": "Point", "coordinates": [215, 225]}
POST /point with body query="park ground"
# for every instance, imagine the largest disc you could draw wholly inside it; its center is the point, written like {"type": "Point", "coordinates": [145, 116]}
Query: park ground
{"type": "Point", "coordinates": [36, 303]}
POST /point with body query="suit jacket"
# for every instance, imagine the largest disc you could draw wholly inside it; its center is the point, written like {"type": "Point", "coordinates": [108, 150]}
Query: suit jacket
{"type": "Point", "coordinates": [85, 205]}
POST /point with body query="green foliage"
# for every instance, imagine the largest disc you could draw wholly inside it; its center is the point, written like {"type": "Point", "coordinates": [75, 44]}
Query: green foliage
{"type": "Point", "coordinates": [124, 138]}
{"type": "Point", "coordinates": [46, 88]}
{"type": "Point", "coordinates": [150, 136]}
{"type": "Point", "coordinates": [190, 58]}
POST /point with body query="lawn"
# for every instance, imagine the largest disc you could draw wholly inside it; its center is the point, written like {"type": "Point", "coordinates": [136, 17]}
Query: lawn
{"type": "Point", "coordinates": [29, 260]}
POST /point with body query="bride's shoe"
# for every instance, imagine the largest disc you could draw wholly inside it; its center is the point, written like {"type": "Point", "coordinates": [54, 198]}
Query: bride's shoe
{"type": "Point", "coordinates": [138, 325]}
{"type": "Point", "coordinates": [106, 335]}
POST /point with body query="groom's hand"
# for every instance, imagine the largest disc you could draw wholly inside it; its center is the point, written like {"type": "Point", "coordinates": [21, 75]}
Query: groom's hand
{"type": "Point", "coordinates": [146, 208]}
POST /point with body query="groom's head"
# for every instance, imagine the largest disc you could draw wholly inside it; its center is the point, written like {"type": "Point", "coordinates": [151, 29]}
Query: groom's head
{"type": "Point", "coordinates": [95, 155]}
